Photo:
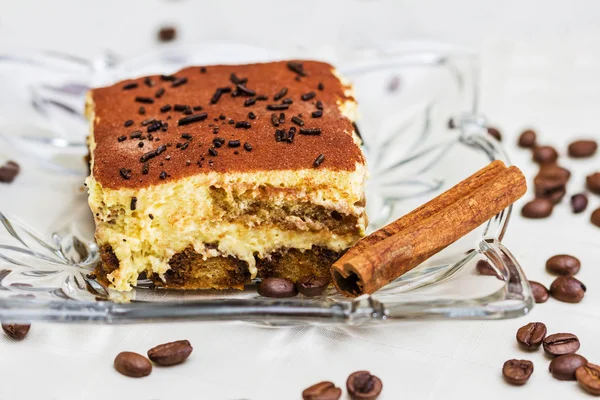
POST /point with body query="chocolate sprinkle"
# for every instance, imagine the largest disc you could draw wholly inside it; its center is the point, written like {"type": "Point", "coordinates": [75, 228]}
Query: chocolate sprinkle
{"type": "Point", "coordinates": [150, 216]}
{"type": "Point", "coordinates": [165, 108]}
{"type": "Point", "coordinates": [192, 118]}
{"type": "Point", "coordinates": [246, 91]}
{"type": "Point", "coordinates": [233, 143]}
{"type": "Point", "coordinates": [249, 102]}
{"type": "Point", "coordinates": [180, 107]}
{"type": "Point", "coordinates": [231, 122]}
{"type": "Point", "coordinates": [236, 80]}
{"type": "Point", "coordinates": [261, 97]}
{"type": "Point", "coordinates": [122, 138]}
{"type": "Point", "coordinates": [128, 123]}
{"type": "Point", "coordinates": [357, 131]}
{"type": "Point", "coordinates": [297, 121]}
{"type": "Point", "coordinates": [287, 100]}
{"type": "Point", "coordinates": [153, 153]}
{"type": "Point", "coordinates": [280, 95]}
{"type": "Point", "coordinates": [281, 118]}
{"type": "Point", "coordinates": [212, 152]}
{"type": "Point", "coordinates": [310, 131]}
{"type": "Point", "coordinates": [133, 204]}
{"type": "Point", "coordinates": [296, 67]}
{"type": "Point", "coordinates": [202, 70]}
{"type": "Point", "coordinates": [142, 110]}
{"type": "Point", "coordinates": [277, 107]}
{"type": "Point", "coordinates": [291, 134]}
{"type": "Point", "coordinates": [148, 121]}
{"type": "Point", "coordinates": [247, 147]}
{"type": "Point", "coordinates": [243, 124]}
{"type": "Point", "coordinates": [308, 96]}
{"type": "Point", "coordinates": [186, 136]}
{"type": "Point", "coordinates": [125, 173]}
{"type": "Point", "coordinates": [319, 160]}
{"type": "Point", "coordinates": [251, 115]}
{"type": "Point", "coordinates": [131, 85]}
{"type": "Point", "coordinates": [179, 82]}
{"type": "Point", "coordinates": [218, 93]}
{"type": "Point", "coordinates": [320, 86]}
{"type": "Point", "coordinates": [163, 175]}
{"type": "Point", "coordinates": [197, 108]}
{"type": "Point", "coordinates": [148, 81]}
{"type": "Point", "coordinates": [222, 117]}
{"type": "Point", "coordinates": [274, 120]}
{"type": "Point", "coordinates": [154, 126]}
{"type": "Point", "coordinates": [135, 135]}
{"type": "Point", "coordinates": [184, 146]}
{"type": "Point", "coordinates": [168, 78]}
{"type": "Point", "coordinates": [319, 105]}
{"type": "Point", "coordinates": [317, 114]}
{"type": "Point", "coordinates": [145, 168]}
{"type": "Point", "coordinates": [218, 142]}
{"type": "Point", "coordinates": [279, 135]}
{"type": "Point", "coordinates": [165, 126]}
{"type": "Point", "coordinates": [159, 93]}
{"type": "Point", "coordinates": [188, 111]}
{"type": "Point", "coordinates": [141, 144]}
{"type": "Point", "coordinates": [145, 100]}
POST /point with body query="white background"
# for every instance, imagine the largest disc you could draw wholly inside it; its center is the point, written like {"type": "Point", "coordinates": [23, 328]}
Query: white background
{"type": "Point", "coordinates": [541, 68]}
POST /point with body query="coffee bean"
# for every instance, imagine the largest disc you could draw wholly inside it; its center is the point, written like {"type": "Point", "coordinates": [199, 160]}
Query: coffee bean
{"type": "Point", "coordinates": [167, 33]}
{"type": "Point", "coordinates": [556, 196]}
{"type": "Point", "coordinates": [277, 287]}
{"type": "Point", "coordinates": [556, 172]}
{"type": "Point", "coordinates": [561, 343]}
{"type": "Point", "coordinates": [537, 208]}
{"type": "Point", "coordinates": [16, 331]}
{"type": "Point", "coordinates": [322, 391]}
{"type": "Point", "coordinates": [544, 154]}
{"type": "Point", "coordinates": [527, 139]}
{"type": "Point", "coordinates": [595, 218]}
{"type": "Point", "coordinates": [9, 171]}
{"type": "Point", "coordinates": [583, 148]}
{"type": "Point", "coordinates": [361, 385]}
{"type": "Point", "coordinates": [563, 367]}
{"type": "Point", "coordinates": [311, 286]}
{"type": "Point", "coordinates": [593, 182]}
{"type": "Point", "coordinates": [483, 267]}
{"type": "Point", "coordinates": [567, 289]}
{"type": "Point", "coordinates": [579, 203]}
{"type": "Point", "coordinates": [132, 364]}
{"type": "Point", "coordinates": [531, 335]}
{"type": "Point", "coordinates": [540, 293]}
{"type": "Point", "coordinates": [563, 264]}
{"type": "Point", "coordinates": [170, 353]}
{"type": "Point", "coordinates": [517, 372]}
{"type": "Point", "coordinates": [588, 377]}
{"type": "Point", "coordinates": [495, 133]}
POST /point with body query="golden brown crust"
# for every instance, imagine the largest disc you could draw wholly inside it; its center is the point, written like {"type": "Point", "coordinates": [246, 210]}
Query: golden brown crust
{"type": "Point", "coordinates": [113, 106]}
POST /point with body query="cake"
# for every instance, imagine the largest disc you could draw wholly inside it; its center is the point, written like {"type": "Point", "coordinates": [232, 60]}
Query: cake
{"type": "Point", "coordinates": [214, 176]}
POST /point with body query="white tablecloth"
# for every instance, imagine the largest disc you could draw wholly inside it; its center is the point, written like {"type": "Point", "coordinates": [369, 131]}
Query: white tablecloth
{"type": "Point", "coordinates": [551, 85]}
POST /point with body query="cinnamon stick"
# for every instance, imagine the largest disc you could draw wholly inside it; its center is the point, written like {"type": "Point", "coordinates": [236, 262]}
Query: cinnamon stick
{"type": "Point", "coordinates": [427, 230]}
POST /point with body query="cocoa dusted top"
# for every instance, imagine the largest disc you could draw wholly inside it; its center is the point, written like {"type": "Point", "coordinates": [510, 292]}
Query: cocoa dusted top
{"type": "Point", "coordinates": [223, 118]}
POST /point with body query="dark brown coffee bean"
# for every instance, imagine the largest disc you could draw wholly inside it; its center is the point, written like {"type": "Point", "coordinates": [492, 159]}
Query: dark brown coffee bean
{"type": "Point", "coordinates": [544, 154]}
{"type": "Point", "coordinates": [312, 286]}
{"type": "Point", "coordinates": [322, 391]}
{"type": "Point", "coordinates": [563, 367]}
{"type": "Point", "coordinates": [537, 208]}
{"type": "Point", "coordinates": [495, 133]}
{"type": "Point", "coordinates": [579, 203]}
{"type": "Point", "coordinates": [9, 171]}
{"type": "Point", "coordinates": [527, 139]}
{"type": "Point", "coordinates": [16, 331]}
{"type": "Point", "coordinates": [556, 196]}
{"type": "Point", "coordinates": [277, 287]}
{"type": "Point", "coordinates": [132, 364]}
{"type": "Point", "coordinates": [593, 182]}
{"type": "Point", "coordinates": [531, 335]}
{"type": "Point", "coordinates": [561, 343]}
{"type": "Point", "coordinates": [170, 353]}
{"type": "Point", "coordinates": [583, 148]}
{"type": "Point", "coordinates": [554, 172]}
{"type": "Point", "coordinates": [567, 289]}
{"type": "Point", "coordinates": [595, 218]}
{"type": "Point", "coordinates": [540, 293]}
{"type": "Point", "coordinates": [517, 372]}
{"type": "Point", "coordinates": [167, 33]}
{"type": "Point", "coordinates": [563, 264]}
{"type": "Point", "coordinates": [588, 377]}
{"type": "Point", "coordinates": [361, 385]}
{"type": "Point", "coordinates": [483, 267]}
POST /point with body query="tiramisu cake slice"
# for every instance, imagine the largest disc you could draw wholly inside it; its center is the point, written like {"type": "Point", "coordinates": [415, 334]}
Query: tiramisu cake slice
{"type": "Point", "coordinates": [215, 175]}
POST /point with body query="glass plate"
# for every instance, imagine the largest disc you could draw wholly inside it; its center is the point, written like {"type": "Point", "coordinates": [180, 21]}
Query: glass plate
{"type": "Point", "coordinates": [407, 97]}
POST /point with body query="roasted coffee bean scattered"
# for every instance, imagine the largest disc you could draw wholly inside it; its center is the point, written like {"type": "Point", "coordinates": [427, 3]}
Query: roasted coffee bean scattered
{"type": "Point", "coordinates": [277, 287]}
{"type": "Point", "coordinates": [167, 34]}
{"type": "Point", "coordinates": [583, 148]}
{"type": "Point", "coordinates": [540, 293]}
{"type": "Point", "coordinates": [495, 133]}
{"type": "Point", "coordinates": [531, 335]}
{"type": "Point", "coordinates": [322, 391]}
{"type": "Point", "coordinates": [579, 203]}
{"type": "Point", "coordinates": [567, 289]}
{"type": "Point", "coordinates": [563, 264]}
{"type": "Point", "coordinates": [537, 208]}
{"type": "Point", "coordinates": [563, 367]}
{"type": "Point", "coordinates": [483, 267]}
{"type": "Point", "coordinates": [9, 171]}
{"type": "Point", "coordinates": [312, 286]}
{"type": "Point", "coordinates": [527, 139]}
{"type": "Point", "coordinates": [517, 372]}
{"type": "Point", "coordinates": [170, 353]}
{"type": "Point", "coordinates": [16, 331]}
{"type": "Point", "coordinates": [561, 343]}
{"type": "Point", "coordinates": [132, 364]}
{"type": "Point", "coordinates": [555, 172]}
{"type": "Point", "coordinates": [593, 182]}
{"type": "Point", "coordinates": [588, 377]}
{"type": "Point", "coordinates": [361, 385]}
{"type": "Point", "coordinates": [544, 154]}
{"type": "Point", "coordinates": [595, 218]}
